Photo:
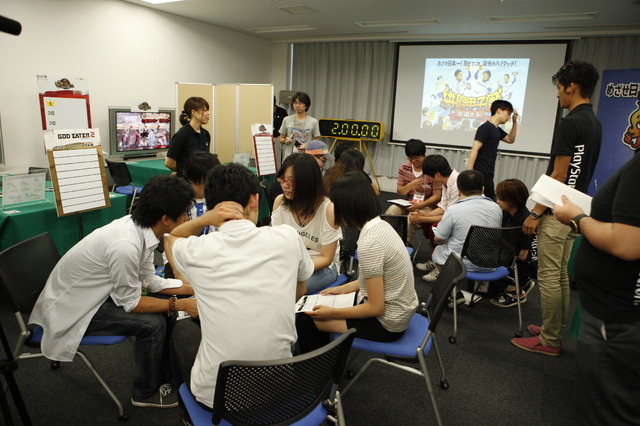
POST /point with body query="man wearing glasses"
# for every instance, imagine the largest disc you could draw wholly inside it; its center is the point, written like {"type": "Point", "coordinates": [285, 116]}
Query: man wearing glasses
{"type": "Point", "coordinates": [300, 128]}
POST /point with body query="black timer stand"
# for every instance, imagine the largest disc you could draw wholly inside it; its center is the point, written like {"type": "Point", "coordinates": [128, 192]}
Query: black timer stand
{"type": "Point", "coordinates": [361, 146]}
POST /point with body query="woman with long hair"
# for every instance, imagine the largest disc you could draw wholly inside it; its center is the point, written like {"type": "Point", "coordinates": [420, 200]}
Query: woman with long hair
{"type": "Point", "coordinates": [304, 206]}
{"type": "Point", "coordinates": [350, 160]}
{"type": "Point", "coordinates": [385, 274]}
{"type": "Point", "coordinates": [192, 136]}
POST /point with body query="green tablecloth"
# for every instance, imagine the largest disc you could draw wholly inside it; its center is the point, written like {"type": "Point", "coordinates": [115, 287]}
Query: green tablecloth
{"type": "Point", "coordinates": [143, 170]}
{"type": "Point", "coordinates": [34, 219]}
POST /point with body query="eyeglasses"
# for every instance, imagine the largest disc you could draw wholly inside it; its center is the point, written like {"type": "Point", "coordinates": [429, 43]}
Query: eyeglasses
{"type": "Point", "coordinates": [287, 181]}
{"type": "Point", "coordinates": [321, 158]}
{"type": "Point", "coordinates": [415, 157]}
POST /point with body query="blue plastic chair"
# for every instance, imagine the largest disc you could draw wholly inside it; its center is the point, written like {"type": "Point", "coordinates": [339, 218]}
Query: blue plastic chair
{"type": "Point", "coordinates": [300, 390]}
{"type": "Point", "coordinates": [492, 248]}
{"type": "Point", "coordinates": [24, 269]}
{"type": "Point", "coordinates": [123, 183]}
{"type": "Point", "coordinates": [418, 339]}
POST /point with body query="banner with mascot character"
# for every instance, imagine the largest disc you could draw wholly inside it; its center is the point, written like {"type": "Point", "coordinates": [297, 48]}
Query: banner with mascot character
{"type": "Point", "coordinates": [619, 113]}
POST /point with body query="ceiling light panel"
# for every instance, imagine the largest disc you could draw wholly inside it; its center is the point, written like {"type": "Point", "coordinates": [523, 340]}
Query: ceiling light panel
{"type": "Point", "coordinates": [297, 10]}
{"type": "Point", "coordinates": [411, 23]}
{"type": "Point", "coordinates": [554, 17]}
{"type": "Point", "coordinates": [290, 28]}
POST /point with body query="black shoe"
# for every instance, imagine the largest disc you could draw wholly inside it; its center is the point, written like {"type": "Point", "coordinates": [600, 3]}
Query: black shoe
{"type": "Point", "coordinates": [165, 397]}
{"type": "Point", "coordinates": [507, 300]}
{"type": "Point", "coordinates": [459, 299]}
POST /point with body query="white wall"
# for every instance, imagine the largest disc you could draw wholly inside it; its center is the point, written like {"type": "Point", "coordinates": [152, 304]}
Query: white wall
{"type": "Point", "coordinates": [280, 67]}
{"type": "Point", "coordinates": [128, 54]}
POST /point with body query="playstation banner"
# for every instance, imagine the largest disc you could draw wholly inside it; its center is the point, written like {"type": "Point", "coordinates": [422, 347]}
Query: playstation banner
{"type": "Point", "coordinates": [619, 113]}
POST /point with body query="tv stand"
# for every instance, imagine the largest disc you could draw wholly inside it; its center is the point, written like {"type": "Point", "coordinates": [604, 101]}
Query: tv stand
{"type": "Point", "coordinates": [139, 155]}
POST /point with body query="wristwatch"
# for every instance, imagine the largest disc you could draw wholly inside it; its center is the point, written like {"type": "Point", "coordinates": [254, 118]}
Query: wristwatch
{"type": "Point", "coordinates": [575, 222]}
{"type": "Point", "coordinates": [534, 215]}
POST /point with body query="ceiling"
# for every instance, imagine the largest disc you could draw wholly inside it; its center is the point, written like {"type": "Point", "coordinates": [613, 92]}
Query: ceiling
{"type": "Point", "coordinates": [451, 20]}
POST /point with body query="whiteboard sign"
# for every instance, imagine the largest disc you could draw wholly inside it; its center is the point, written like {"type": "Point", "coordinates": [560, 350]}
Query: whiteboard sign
{"type": "Point", "coordinates": [79, 180]}
{"type": "Point", "coordinates": [22, 188]}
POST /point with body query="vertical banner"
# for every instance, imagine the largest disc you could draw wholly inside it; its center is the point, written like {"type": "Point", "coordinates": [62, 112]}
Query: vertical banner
{"type": "Point", "coordinates": [619, 113]}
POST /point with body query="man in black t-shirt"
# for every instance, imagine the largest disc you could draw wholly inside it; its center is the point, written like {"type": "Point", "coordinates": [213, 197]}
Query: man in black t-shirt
{"type": "Point", "coordinates": [574, 154]}
{"type": "Point", "coordinates": [607, 267]}
{"type": "Point", "coordinates": [485, 144]}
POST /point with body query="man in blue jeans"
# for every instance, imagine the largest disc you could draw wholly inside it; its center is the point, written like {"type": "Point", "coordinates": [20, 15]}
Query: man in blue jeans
{"type": "Point", "coordinates": [96, 288]}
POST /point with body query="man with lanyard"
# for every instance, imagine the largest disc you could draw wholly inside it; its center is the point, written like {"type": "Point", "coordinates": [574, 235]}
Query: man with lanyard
{"type": "Point", "coordinates": [574, 154]}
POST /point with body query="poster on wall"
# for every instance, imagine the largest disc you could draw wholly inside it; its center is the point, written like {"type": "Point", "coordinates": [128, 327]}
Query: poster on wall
{"type": "Point", "coordinates": [64, 102]}
{"type": "Point", "coordinates": [619, 113]}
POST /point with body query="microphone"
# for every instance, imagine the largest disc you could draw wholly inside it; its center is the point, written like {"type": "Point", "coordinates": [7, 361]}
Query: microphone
{"type": "Point", "coordinates": [10, 26]}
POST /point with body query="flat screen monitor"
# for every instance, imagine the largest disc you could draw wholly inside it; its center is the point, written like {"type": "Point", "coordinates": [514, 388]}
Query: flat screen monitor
{"type": "Point", "coordinates": [139, 134]}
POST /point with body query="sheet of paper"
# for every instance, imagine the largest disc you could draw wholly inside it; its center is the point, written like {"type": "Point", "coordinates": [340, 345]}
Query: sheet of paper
{"type": "Point", "coordinates": [22, 188]}
{"type": "Point", "coordinates": [307, 303]}
{"type": "Point", "coordinates": [400, 202]}
{"type": "Point", "coordinates": [548, 192]}
{"type": "Point", "coordinates": [265, 155]}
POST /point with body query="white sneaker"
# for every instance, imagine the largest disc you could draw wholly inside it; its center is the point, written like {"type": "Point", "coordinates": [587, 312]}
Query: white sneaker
{"type": "Point", "coordinates": [431, 276]}
{"type": "Point", "coordinates": [427, 266]}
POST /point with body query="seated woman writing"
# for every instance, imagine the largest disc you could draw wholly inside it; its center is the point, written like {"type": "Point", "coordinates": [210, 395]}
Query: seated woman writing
{"type": "Point", "coordinates": [386, 282]}
{"type": "Point", "coordinates": [304, 206]}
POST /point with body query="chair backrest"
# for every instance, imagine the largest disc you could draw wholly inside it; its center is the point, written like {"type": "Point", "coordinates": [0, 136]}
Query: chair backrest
{"type": "Point", "coordinates": [492, 247]}
{"type": "Point", "coordinates": [119, 172]}
{"type": "Point", "coordinates": [399, 223]}
{"type": "Point", "coordinates": [349, 242]}
{"type": "Point", "coordinates": [24, 270]}
{"type": "Point", "coordinates": [280, 391]}
{"type": "Point", "coordinates": [451, 274]}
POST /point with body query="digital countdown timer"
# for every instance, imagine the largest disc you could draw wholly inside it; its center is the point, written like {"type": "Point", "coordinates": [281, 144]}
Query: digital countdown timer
{"type": "Point", "coordinates": [351, 129]}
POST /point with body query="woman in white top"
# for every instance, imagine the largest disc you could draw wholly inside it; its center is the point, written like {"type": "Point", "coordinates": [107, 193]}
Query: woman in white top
{"type": "Point", "coordinates": [386, 282]}
{"type": "Point", "coordinates": [304, 206]}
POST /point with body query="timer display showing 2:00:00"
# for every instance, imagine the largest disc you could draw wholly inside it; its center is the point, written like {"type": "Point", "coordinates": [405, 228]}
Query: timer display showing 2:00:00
{"type": "Point", "coordinates": [350, 129]}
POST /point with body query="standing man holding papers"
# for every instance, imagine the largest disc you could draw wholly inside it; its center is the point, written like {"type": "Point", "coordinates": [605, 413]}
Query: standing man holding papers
{"type": "Point", "coordinates": [574, 154]}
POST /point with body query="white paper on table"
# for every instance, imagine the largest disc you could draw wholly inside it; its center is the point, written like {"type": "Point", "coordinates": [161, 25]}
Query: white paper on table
{"type": "Point", "coordinates": [548, 192]}
{"type": "Point", "coordinates": [307, 303]}
{"type": "Point", "coordinates": [23, 188]}
{"type": "Point", "coordinates": [401, 202]}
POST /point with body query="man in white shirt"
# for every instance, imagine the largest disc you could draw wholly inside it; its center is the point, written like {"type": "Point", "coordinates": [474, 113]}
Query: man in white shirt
{"type": "Point", "coordinates": [96, 288]}
{"type": "Point", "coordinates": [246, 280]}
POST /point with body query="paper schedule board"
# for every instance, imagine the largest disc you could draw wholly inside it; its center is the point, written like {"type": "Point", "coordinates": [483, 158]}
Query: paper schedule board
{"type": "Point", "coordinates": [263, 148]}
{"type": "Point", "coordinates": [79, 180]}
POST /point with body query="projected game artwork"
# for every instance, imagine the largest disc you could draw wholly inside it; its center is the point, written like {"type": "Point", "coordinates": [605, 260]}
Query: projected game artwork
{"type": "Point", "coordinates": [458, 92]}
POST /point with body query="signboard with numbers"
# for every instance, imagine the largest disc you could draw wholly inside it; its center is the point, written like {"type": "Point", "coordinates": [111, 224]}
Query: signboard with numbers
{"type": "Point", "coordinates": [64, 103]}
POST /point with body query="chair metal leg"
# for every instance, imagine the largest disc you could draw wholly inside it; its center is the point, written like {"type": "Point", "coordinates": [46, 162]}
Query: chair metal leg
{"type": "Point", "coordinates": [336, 403]}
{"type": "Point", "coordinates": [122, 415]}
{"type": "Point", "coordinates": [427, 380]}
{"type": "Point", "coordinates": [452, 339]}
{"type": "Point", "coordinates": [444, 384]}
{"type": "Point", "coordinates": [518, 333]}
{"type": "Point", "coordinates": [415, 253]}
{"type": "Point", "coordinates": [133, 198]}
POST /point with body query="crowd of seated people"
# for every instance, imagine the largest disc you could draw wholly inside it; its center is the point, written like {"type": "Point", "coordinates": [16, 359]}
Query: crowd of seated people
{"type": "Point", "coordinates": [232, 266]}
